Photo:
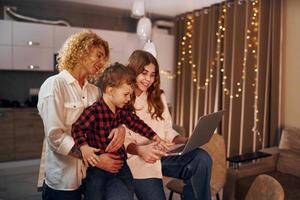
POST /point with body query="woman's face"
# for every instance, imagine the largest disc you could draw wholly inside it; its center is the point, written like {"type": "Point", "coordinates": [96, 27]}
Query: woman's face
{"type": "Point", "coordinates": [95, 60]}
{"type": "Point", "coordinates": [145, 79]}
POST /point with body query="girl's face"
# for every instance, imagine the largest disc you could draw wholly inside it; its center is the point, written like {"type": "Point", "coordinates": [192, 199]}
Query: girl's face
{"type": "Point", "coordinates": [145, 79]}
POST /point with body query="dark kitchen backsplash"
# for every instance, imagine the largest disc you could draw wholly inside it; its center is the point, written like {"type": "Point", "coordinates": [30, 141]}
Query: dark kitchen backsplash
{"type": "Point", "coordinates": [15, 86]}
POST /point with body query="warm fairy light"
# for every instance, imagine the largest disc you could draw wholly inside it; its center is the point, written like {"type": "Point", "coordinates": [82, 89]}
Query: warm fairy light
{"type": "Point", "coordinates": [168, 74]}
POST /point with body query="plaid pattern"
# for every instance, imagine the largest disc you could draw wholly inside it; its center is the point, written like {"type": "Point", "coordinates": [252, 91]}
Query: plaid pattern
{"type": "Point", "coordinates": [96, 122]}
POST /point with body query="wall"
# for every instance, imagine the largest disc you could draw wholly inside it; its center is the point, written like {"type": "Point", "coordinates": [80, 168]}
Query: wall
{"type": "Point", "coordinates": [79, 15]}
{"type": "Point", "coordinates": [290, 108]}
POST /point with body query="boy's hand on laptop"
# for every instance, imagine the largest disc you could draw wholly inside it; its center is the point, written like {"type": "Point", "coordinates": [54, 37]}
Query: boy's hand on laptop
{"type": "Point", "coordinates": [88, 155]}
{"type": "Point", "coordinates": [163, 145]}
{"type": "Point", "coordinates": [150, 153]}
{"type": "Point", "coordinates": [110, 162]}
{"type": "Point", "coordinates": [118, 137]}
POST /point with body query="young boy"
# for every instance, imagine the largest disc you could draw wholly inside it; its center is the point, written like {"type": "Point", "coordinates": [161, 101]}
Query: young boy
{"type": "Point", "coordinates": [93, 127]}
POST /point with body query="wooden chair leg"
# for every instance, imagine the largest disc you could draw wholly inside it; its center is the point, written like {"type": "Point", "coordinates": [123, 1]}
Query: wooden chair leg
{"type": "Point", "coordinates": [171, 195]}
{"type": "Point", "coordinates": [218, 196]}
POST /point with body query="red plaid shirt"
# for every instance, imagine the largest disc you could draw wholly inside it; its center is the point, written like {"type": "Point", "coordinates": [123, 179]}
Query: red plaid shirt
{"type": "Point", "coordinates": [96, 122]}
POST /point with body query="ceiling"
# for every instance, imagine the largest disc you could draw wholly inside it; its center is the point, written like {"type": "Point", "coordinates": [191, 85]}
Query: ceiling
{"type": "Point", "coordinates": [161, 7]}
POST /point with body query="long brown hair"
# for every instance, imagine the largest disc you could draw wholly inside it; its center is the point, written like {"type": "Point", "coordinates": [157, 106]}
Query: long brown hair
{"type": "Point", "coordinates": [137, 61]}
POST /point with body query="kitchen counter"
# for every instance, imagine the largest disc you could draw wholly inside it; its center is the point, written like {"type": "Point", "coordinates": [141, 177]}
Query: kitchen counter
{"type": "Point", "coordinates": [21, 134]}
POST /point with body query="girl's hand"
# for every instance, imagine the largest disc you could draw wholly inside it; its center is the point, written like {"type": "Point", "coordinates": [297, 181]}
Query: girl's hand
{"type": "Point", "coordinates": [88, 155]}
{"type": "Point", "coordinates": [162, 144]}
{"type": "Point", "coordinates": [150, 153]}
{"type": "Point", "coordinates": [118, 137]}
{"type": "Point", "coordinates": [179, 139]}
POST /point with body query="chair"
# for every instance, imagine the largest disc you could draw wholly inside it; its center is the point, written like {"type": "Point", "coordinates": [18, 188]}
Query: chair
{"type": "Point", "coordinates": [265, 187]}
{"type": "Point", "coordinates": [216, 149]}
{"type": "Point", "coordinates": [283, 165]}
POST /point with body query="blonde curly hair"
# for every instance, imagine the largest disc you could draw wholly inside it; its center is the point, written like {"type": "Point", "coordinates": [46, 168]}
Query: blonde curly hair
{"type": "Point", "coordinates": [77, 47]}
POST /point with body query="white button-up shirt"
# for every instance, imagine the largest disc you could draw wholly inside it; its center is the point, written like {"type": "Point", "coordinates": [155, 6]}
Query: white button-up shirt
{"type": "Point", "coordinates": [61, 101]}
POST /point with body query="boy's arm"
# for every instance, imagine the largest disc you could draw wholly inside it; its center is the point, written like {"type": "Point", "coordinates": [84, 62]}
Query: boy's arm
{"type": "Point", "coordinates": [134, 123]}
{"type": "Point", "coordinates": [80, 129]}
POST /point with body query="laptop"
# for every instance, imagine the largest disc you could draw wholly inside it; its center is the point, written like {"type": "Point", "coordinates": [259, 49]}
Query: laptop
{"type": "Point", "coordinates": [202, 133]}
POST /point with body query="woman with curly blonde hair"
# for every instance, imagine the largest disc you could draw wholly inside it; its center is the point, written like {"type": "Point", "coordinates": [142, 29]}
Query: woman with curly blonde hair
{"type": "Point", "coordinates": [62, 98]}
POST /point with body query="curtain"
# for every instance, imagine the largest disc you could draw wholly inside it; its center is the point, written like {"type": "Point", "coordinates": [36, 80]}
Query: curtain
{"type": "Point", "coordinates": [228, 58]}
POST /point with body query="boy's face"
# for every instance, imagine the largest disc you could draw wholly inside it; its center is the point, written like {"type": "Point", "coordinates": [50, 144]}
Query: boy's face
{"type": "Point", "coordinates": [121, 95]}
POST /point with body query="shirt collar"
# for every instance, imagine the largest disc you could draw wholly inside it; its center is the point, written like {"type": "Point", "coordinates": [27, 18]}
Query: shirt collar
{"type": "Point", "coordinates": [102, 103]}
{"type": "Point", "coordinates": [69, 78]}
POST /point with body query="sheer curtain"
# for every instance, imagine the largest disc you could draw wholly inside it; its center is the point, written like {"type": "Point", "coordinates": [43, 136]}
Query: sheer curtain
{"type": "Point", "coordinates": [228, 58]}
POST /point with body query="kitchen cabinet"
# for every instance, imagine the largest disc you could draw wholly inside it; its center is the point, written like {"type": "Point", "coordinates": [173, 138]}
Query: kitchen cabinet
{"type": "Point", "coordinates": [5, 57]}
{"type": "Point", "coordinates": [34, 58]}
{"type": "Point", "coordinates": [32, 35]}
{"type": "Point", "coordinates": [32, 47]}
{"type": "Point", "coordinates": [21, 135]}
{"type": "Point", "coordinates": [5, 45]}
{"type": "Point", "coordinates": [6, 135]}
{"type": "Point", "coordinates": [29, 134]}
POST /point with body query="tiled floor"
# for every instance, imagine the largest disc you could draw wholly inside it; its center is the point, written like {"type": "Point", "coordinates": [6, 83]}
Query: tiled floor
{"type": "Point", "coordinates": [18, 181]}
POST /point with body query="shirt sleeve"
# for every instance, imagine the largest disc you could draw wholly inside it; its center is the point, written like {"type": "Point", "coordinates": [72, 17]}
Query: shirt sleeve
{"type": "Point", "coordinates": [170, 133]}
{"type": "Point", "coordinates": [134, 123]}
{"type": "Point", "coordinates": [51, 110]}
{"type": "Point", "coordinates": [83, 126]}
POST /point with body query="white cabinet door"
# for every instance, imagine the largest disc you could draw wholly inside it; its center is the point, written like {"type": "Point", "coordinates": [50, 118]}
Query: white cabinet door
{"type": "Point", "coordinates": [5, 44]}
{"type": "Point", "coordinates": [32, 35]}
{"type": "Point", "coordinates": [5, 32]}
{"type": "Point", "coordinates": [32, 47]}
{"type": "Point", "coordinates": [36, 59]}
{"type": "Point", "coordinates": [61, 34]}
{"type": "Point", "coordinates": [5, 57]}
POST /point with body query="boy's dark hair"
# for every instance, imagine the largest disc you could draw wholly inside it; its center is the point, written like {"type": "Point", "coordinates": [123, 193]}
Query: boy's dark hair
{"type": "Point", "coordinates": [115, 75]}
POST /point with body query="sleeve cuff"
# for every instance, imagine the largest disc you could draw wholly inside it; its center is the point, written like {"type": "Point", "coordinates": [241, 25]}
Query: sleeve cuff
{"type": "Point", "coordinates": [66, 145]}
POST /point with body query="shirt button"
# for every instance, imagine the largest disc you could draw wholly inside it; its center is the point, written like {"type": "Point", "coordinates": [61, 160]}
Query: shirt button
{"type": "Point", "coordinates": [83, 97]}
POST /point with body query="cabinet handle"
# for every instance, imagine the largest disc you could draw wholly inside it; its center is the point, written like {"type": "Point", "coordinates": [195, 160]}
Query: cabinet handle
{"type": "Point", "coordinates": [33, 67]}
{"type": "Point", "coordinates": [32, 43]}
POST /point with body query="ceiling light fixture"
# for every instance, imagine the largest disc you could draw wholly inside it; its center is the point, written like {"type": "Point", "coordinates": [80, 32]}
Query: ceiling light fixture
{"type": "Point", "coordinates": [144, 28]}
{"type": "Point", "coordinates": [150, 47]}
{"type": "Point", "coordinates": [138, 9]}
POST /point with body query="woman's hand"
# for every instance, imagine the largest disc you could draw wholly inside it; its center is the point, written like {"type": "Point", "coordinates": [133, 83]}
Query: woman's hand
{"type": "Point", "coordinates": [150, 152]}
{"type": "Point", "coordinates": [179, 139]}
{"type": "Point", "coordinates": [118, 137]}
{"type": "Point", "coordinates": [88, 155]}
{"type": "Point", "coordinates": [110, 162]}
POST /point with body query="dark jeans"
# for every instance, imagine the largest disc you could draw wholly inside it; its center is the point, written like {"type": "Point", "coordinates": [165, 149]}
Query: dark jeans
{"type": "Point", "coordinates": [51, 194]}
{"type": "Point", "coordinates": [194, 168]}
{"type": "Point", "coordinates": [101, 184]}
{"type": "Point", "coordinates": [149, 189]}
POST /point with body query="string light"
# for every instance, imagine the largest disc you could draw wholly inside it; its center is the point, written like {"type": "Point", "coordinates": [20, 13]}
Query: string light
{"type": "Point", "coordinates": [168, 74]}
{"type": "Point", "coordinates": [186, 49]}
{"type": "Point", "coordinates": [253, 47]}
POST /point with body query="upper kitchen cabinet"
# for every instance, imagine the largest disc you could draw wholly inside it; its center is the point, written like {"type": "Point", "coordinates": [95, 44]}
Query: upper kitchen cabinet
{"type": "Point", "coordinates": [5, 44]}
{"type": "Point", "coordinates": [32, 47]}
{"type": "Point", "coordinates": [5, 32]}
{"type": "Point", "coordinates": [61, 33]}
{"type": "Point", "coordinates": [32, 35]}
